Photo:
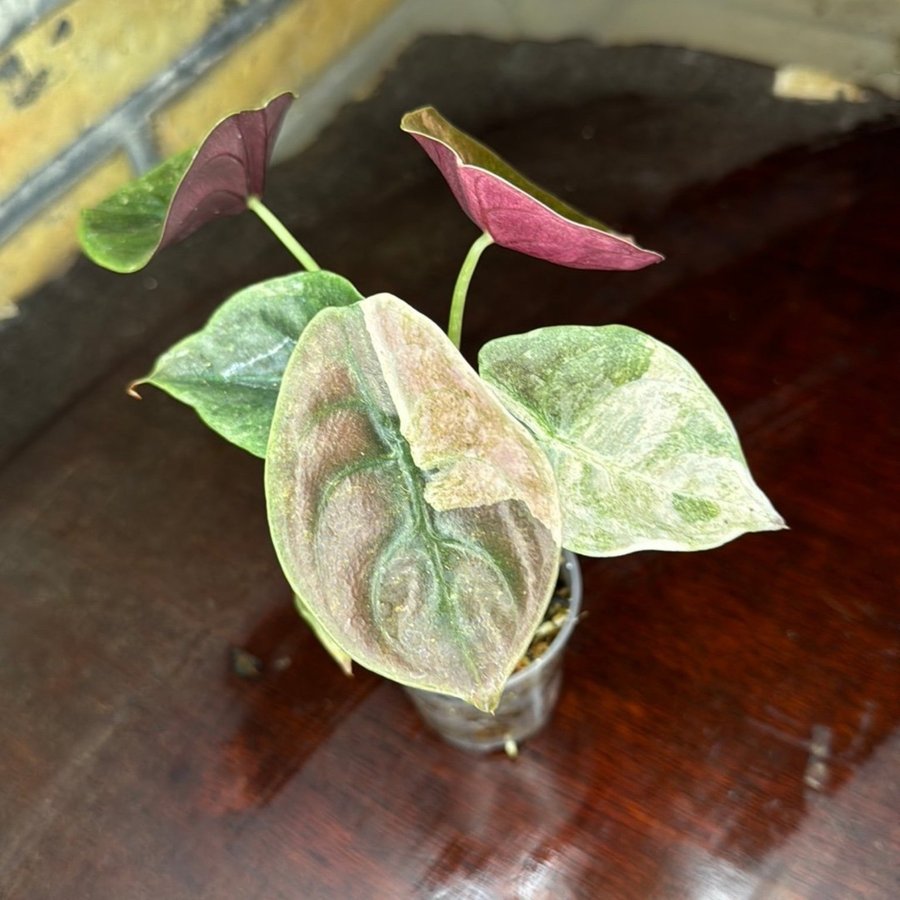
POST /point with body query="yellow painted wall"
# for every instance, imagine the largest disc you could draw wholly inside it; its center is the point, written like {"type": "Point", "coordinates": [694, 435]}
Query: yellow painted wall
{"type": "Point", "coordinates": [297, 46]}
{"type": "Point", "coordinates": [112, 48]}
{"type": "Point", "coordinates": [69, 71]}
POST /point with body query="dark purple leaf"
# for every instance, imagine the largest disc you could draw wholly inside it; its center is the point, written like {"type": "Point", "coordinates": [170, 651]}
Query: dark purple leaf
{"type": "Point", "coordinates": [176, 198]}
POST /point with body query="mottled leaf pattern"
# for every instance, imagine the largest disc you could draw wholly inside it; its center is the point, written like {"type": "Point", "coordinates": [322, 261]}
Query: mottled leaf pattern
{"type": "Point", "coordinates": [176, 198]}
{"type": "Point", "coordinates": [230, 371]}
{"type": "Point", "coordinates": [645, 456]}
{"type": "Point", "coordinates": [417, 519]}
{"type": "Point", "coordinates": [514, 212]}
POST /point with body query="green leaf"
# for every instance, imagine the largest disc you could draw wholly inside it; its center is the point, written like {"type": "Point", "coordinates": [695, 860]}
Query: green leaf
{"type": "Point", "coordinates": [124, 231]}
{"type": "Point", "coordinates": [644, 454]}
{"type": "Point", "coordinates": [418, 520]}
{"type": "Point", "coordinates": [230, 371]}
{"type": "Point", "coordinates": [185, 192]}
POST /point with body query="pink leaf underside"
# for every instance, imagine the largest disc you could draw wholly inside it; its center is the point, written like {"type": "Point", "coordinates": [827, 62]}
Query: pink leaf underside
{"type": "Point", "coordinates": [229, 167]}
{"type": "Point", "coordinates": [521, 222]}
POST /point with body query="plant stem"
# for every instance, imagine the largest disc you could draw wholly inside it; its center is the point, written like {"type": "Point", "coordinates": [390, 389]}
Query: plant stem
{"type": "Point", "coordinates": [283, 235]}
{"type": "Point", "coordinates": [458, 304]}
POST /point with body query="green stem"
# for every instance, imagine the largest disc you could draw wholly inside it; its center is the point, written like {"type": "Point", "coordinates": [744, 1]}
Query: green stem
{"type": "Point", "coordinates": [458, 304]}
{"type": "Point", "coordinates": [283, 235]}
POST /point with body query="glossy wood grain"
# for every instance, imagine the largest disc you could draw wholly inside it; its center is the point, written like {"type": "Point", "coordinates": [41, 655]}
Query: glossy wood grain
{"type": "Point", "coordinates": [729, 721]}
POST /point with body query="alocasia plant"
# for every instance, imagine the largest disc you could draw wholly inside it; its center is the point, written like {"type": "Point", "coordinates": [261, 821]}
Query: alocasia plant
{"type": "Point", "coordinates": [418, 507]}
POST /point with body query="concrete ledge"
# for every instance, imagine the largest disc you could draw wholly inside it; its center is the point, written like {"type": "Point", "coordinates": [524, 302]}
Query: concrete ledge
{"type": "Point", "coordinates": [843, 39]}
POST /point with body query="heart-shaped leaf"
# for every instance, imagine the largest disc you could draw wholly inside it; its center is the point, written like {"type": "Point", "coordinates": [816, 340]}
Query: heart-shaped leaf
{"type": "Point", "coordinates": [173, 200]}
{"type": "Point", "coordinates": [644, 454]}
{"type": "Point", "coordinates": [514, 212]}
{"type": "Point", "coordinates": [230, 371]}
{"type": "Point", "coordinates": [417, 519]}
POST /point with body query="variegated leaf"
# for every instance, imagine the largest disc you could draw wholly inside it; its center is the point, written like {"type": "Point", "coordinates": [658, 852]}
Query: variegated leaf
{"type": "Point", "coordinates": [417, 519]}
{"type": "Point", "coordinates": [170, 202]}
{"type": "Point", "coordinates": [231, 369]}
{"type": "Point", "coordinates": [644, 454]}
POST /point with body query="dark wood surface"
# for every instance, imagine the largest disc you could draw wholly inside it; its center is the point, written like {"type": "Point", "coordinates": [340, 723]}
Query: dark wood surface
{"type": "Point", "coordinates": [729, 721]}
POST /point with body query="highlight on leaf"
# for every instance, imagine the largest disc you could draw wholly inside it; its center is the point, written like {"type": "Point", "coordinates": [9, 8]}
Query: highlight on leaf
{"type": "Point", "coordinates": [173, 200]}
{"type": "Point", "coordinates": [645, 456]}
{"type": "Point", "coordinates": [417, 519]}
{"type": "Point", "coordinates": [514, 212]}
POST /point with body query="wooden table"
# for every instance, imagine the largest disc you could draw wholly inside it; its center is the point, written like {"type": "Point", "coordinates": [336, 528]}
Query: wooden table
{"type": "Point", "coordinates": [729, 721]}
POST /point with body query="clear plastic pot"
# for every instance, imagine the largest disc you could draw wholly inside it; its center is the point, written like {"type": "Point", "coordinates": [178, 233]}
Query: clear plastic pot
{"type": "Point", "coordinates": [528, 699]}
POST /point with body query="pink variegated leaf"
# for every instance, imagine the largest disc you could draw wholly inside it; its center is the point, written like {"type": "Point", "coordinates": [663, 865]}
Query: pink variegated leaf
{"type": "Point", "coordinates": [418, 520]}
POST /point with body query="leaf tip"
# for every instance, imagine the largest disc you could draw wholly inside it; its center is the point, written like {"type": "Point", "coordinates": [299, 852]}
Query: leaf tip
{"type": "Point", "coordinates": [779, 523]}
{"type": "Point", "coordinates": [636, 257]}
{"type": "Point", "coordinates": [131, 390]}
{"type": "Point", "coordinates": [770, 519]}
{"type": "Point", "coordinates": [410, 120]}
{"type": "Point", "coordinates": [486, 697]}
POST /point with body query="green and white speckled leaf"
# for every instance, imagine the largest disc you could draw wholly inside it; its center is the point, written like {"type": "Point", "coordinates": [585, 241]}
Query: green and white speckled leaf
{"type": "Point", "coordinates": [644, 454]}
{"type": "Point", "coordinates": [415, 516]}
{"type": "Point", "coordinates": [231, 369]}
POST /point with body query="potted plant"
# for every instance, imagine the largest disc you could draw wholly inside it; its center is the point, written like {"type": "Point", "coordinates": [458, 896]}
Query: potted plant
{"type": "Point", "coordinates": [419, 508]}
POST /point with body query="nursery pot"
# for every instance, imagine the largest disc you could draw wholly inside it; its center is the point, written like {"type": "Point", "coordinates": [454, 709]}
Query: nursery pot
{"type": "Point", "coordinates": [528, 699]}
